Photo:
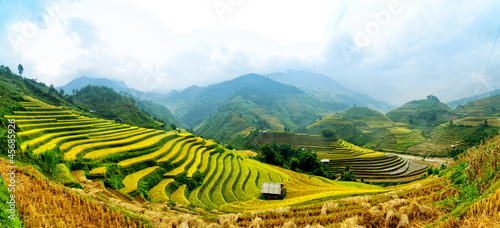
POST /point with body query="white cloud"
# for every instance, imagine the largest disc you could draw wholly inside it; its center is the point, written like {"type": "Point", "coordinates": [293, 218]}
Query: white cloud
{"type": "Point", "coordinates": [413, 50]}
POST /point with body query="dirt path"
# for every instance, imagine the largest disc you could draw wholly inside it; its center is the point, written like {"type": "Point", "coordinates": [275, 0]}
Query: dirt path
{"type": "Point", "coordinates": [434, 162]}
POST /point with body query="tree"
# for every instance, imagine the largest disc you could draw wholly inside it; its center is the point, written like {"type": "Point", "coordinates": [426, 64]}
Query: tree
{"type": "Point", "coordinates": [52, 89]}
{"type": "Point", "coordinates": [61, 91]}
{"type": "Point", "coordinates": [269, 156]}
{"type": "Point", "coordinates": [327, 133]}
{"type": "Point", "coordinates": [21, 69]}
{"type": "Point", "coordinates": [432, 97]}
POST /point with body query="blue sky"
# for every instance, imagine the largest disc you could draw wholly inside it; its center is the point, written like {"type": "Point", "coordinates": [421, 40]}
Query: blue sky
{"type": "Point", "coordinates": [392, 50]}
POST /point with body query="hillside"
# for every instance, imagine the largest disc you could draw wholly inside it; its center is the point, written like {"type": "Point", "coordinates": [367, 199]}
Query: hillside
{"type": "Point", "coordinates": [158, 166]}
{"type": "Point", "coordinates": [488, 106]}
{"type": "Point", "coordinates": [325, 88]}
{"type": "Point", "coordinates": [142, 100]}
{"type": "Point", "coordinates": [454, 104]}
{"type": "Point", "coordinates": [108, 104]}
{"type": "Point", "coordinates": [193, 105]}
{"type": "Point", "coordinates": [355, 125]}
{"type": "Point", "coordinates": [422, 113]}
{"type": "Point", "coordinates": [271, 106]}
{"type": "Point", "coordinates": [118, 175]}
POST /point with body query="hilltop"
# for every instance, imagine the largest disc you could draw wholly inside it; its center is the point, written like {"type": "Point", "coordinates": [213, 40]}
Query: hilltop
{"type": "Point", "coordinates": [422, 113]}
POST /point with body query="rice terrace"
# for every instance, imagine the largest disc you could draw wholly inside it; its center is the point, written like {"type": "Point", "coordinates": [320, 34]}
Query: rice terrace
{"type": "Point", "coordinates": [338, 114]}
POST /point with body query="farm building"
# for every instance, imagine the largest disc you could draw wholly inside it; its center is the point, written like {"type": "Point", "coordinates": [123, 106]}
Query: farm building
{"type": "Point", "coordinates": [92, 111]}
{"type": "Point", "coordinates": [272, 190]}
{"type": "Point", "coordinates": [118, 120]}
{"type": "Point", "coordinates": [325, 160]}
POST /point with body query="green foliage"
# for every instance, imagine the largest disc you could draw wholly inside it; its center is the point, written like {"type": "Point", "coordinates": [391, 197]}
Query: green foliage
{"type": "Point", "coordinates": [114, 177]}
{"type": "Point", "coordinates": [191, 183]}
{"type": "Point", "coordinates": [328, 134]}
{"type": "Point", "coordinates": [269, 156]}
{"type": "Point", "coordinates": [348, 176]}
{"type": "Point", "coordinates": [109, 104]}
{"type": "Point", "coordinates": [20, 68]}
{"type": "Point", "coordinates": [148, 182]}
{"type": "Point", "coordinates": [429, 171]}
{"type": "Point", "coordinates": [422, 113]}
{"type": "Point", "coordinates": [6, 217]}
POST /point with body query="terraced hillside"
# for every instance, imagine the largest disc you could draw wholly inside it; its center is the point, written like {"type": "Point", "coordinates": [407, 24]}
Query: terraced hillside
{"type": "Point", "coordinates": [368, 164]}
{"type": "Point", "coordinates": [163, 166]}
{"type": "Point", "coordinates": [489, 106]}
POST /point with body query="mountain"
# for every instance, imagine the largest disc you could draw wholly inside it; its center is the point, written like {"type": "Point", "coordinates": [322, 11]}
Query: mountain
{"type": "Point", "coordinates": [423, 113]}
{"type": "Point", "coordinates": [109, 104]}
{"type": "Point", "coordinates": [325, 88]}
{"type": "Point", "coordinates": [454, 104]}
{"type": "Point", "coordinates": [158, 111]}
{"type": "Point", "coordinates": [194, 104]}
{"type": "Point", "coordinates": [263, 104]}
{"type": "Point", "coordinates": [141, 99]}
{"type": "Point", "coordinates": [354, 125]}
{"type": "Point", "coordinates": [489, 106]}
{"type": "Point", "coordinates": [80, 82]}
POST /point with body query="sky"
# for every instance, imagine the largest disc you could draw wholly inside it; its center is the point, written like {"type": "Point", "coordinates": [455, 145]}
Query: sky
{"type": "Point", "coordinates": [395, 51]}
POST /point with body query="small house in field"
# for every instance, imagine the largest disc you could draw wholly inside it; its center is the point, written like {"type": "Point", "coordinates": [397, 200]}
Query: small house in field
{"type": "Point", "coordinates": [92, 111]}
{"type": "Point", "coordinates": [118, 120]}
{"type": "Point", "coordinates": [264, 132]}
{"type": "Point", "coordinates": [272, 190]}
{"type": "Point", "coordinates": [325, 160]}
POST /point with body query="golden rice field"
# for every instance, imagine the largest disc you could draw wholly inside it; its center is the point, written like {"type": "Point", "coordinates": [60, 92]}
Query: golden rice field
{"type": "Point", "coordinates": [231, 181]}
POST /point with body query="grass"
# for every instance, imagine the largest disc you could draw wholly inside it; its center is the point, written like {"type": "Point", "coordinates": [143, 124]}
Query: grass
{"type": "Point", "coordinates": [55, 136]}
{"type": "Point", "coordinates": [151, 156]}
{"type": "Point", "coordinates": [193, 151]}
{"type": "Point", "coordinates": [130, 133]}
{"type": "Point", "coordinates": [130, 181]}
{"type": "Point", "coordinates": [158, 194]}
{"type": "Point", "coordinates": [97, 152]}
{"type": "Point", "coordinates": [229, 183]}
{"type": "Point", "coordinates": [209, 181]}
{"type": "Point", "coordinates": [145, 143]}
{"type": "Point", "coordinates": [204, 154]}
{"type": "Point", "coordinates": [176, 150]}
{"type": "Point", "coordinates": [178, 196]}
{"type": "Point", "coordinates": [98, 171]}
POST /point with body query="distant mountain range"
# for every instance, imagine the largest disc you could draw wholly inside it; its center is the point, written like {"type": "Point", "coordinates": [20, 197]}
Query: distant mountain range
{"type": "Point", "coordinates": [325, 88]}
{"type": "Point", "coordinates": [454, 104]}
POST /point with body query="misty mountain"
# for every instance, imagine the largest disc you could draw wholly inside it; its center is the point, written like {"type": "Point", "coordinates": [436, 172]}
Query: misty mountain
{"type": "Point", "coordinates": [194, 104]}
{"type": "Point", "coordinates": [78, 83]}
{"type": "Point", "coordinates": [454, 104]}
{"type": "Point", "coordinates": [266, 104]}
{"type": "Point", "coordinates": [325, 88]}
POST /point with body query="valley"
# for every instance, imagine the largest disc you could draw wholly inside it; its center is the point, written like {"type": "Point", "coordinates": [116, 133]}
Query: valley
{"type": "Point", "coordinates": [399, 166]}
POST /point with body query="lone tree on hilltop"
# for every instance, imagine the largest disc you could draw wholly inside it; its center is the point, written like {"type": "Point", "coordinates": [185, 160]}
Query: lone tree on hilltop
{"type": "Point", "coordinates": [21, 69]}
{"type": "Point", "coordinates": [432, 97]}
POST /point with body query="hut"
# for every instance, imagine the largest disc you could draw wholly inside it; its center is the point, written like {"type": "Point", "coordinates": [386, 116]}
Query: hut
{"type": "Point", "coordinates": [118, 120]}
{"type": "Point", "coordinates": [272, 190]}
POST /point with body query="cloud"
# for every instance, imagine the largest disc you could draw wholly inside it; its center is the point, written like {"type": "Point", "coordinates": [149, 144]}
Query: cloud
{"type": "Point", "coordinates": [392, 50]}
